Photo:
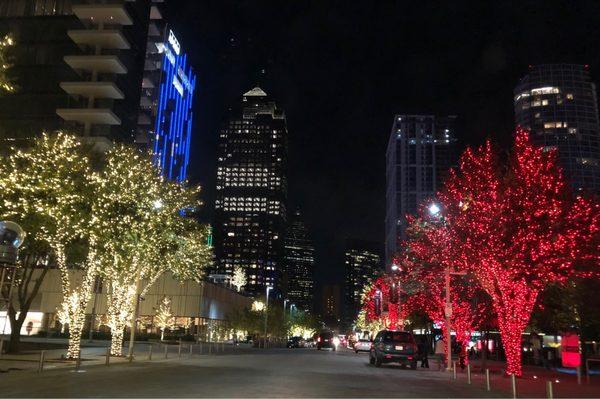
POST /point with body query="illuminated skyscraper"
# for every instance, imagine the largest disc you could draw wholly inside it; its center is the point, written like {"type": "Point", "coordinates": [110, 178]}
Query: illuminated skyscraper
{"type": "Point", "coordinates": [420, 152]}
{"type": "Point", "coordinates": [362, 262]}
{"type": "Point", "coordinates": [166, 113]}
{"type": "Point", "coordinates": [250, 204]}
{"type": "Point", "coordinates": [558, 104]}
{"type": "Point", "coordinates": [299, 263]}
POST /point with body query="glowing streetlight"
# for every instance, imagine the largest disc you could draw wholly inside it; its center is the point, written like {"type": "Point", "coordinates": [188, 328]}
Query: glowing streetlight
{"type": "Point", "coordinates": [434, 209]}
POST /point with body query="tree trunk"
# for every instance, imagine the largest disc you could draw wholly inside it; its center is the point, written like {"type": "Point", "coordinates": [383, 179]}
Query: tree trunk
{"type": "Point", "coordinates": [75, 330]}
{"type": "Point", "coordinates": [15, 330]}
{"type": "Point", "coordinates": [116, 341]}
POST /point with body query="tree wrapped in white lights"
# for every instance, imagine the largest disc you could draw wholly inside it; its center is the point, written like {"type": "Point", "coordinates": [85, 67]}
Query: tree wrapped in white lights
{"type": "Point", "coordinates": [6, 84]}
{"type": "Point", "coordinates": [143, 233]}
{"type": "Point", "coordinates": [239, 278]}
{"type": "Point", "coordinates": [48, 189]}
{"type": "Point", "coordinates": [164, 316]}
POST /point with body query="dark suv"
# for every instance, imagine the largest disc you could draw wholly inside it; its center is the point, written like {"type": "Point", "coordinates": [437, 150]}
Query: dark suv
{"type": "Point", "coordinates": [325, 340]}
{"type": "Point", "coordinates": [394, 347]}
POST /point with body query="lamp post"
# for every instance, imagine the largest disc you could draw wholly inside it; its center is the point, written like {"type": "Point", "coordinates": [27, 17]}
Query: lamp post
{"type": "Point", "coordinates": [397, 285]}
{"type": "Point", "coordinates": [266, 314]}
{"type": "Point", "coordinates": [435, 211]}
{"type": "Point", "coordinates": [11, 238]}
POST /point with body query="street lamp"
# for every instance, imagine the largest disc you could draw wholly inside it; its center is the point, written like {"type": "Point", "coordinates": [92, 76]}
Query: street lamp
{"type": "Point", "coordinates": [266, 314]}
{"type": "Point", "coordinates": [435, 210]}
{"type": "Point", "coordinates": [11, 238]}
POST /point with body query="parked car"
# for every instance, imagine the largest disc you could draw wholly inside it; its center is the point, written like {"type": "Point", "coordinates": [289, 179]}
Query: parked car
{"type": "Point", "coordinates": [394, 347]}
{"type": "Point", "coordinates": [362, 345]}
{"type": "Point", "coordinates": [326, 340]}
{"type": "Point", "coordinates": [295, 342]}
{"type": "Point", "coordinates": [310, 343]}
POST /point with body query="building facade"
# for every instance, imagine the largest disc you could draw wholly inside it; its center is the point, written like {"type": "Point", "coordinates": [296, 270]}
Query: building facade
{"type": "Point", "coordinates": [299, 263]}
{"type": "Point", "coordinates": [106, 71]}
{"type": "Point", "coordinates": [362, 262]}
{"type": "Point", "coordinates": [251, 195]}
{"type": "Point", "coordinates": [420, 152]}
{"type": "Point", "coordinates": [198, 309]}
{"type": "Point", "coordinates": [559, 105]}
{"type": "Point", "coordinates": [36, 68]}
{"type": "Point", "coordinates": [166, 103]}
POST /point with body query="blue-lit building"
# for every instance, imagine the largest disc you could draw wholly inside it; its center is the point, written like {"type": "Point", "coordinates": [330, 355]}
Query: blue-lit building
{"type": "Point", "coordinates": [166, 106]}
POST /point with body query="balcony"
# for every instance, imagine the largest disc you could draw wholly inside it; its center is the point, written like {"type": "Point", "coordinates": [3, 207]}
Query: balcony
{"type": "Point", "coordinates": [109, 38]}
{"type": "Point", "coordinates": [93, 89]}
{"type": "Point", "coordinates": [110, 14]}
{"type": "Point", "coordinates": [94, 116]}
{"type": "Point", "coordinates": [98, 63]}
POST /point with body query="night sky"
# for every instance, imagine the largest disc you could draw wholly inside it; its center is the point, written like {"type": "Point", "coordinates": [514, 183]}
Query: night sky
{"type": "Point", "coordinates": [341, 70]}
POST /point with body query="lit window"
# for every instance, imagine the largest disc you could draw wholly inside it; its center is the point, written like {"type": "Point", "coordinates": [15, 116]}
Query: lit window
{"type": "Point", "coordinates": [569, 96]}
{"type": "Point", "coordinates": [545, 90]}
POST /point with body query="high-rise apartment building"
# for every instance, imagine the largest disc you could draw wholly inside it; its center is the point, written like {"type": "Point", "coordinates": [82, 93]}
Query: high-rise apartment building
{"type": "Point", "coordinates": [37, 67]}
{"type": "Point", "coordinates": [299, 263]}
{"type": "Point", "coordinates": [558, 104]}
{"type": "Point", "coordinates": [251, 196]}
{"type": "Point", "coordinates": [108, 71]}
{"type": "Point", "coordinates": [362, 262]}
{"type": "Point", "coordinates": [420, 152]}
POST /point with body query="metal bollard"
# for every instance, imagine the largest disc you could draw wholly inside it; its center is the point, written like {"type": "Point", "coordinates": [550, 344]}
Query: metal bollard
{"type": "Point", "coordinates": [179, 349]}
{"type": "Point", "coordinates": [579, 375]}
{"type": "Point", "coordinates": [549, 391]}
{"type": "Point", "coordinates": [150, 352]}
{"type": "Point", "coordinates": [210, 348]}
{"type": "Point", "coordinates": [488, 387]}
{"type": "Point", "coordinates": [200, 347]}
{"type": "Point", "coordinates": [41, 365]}
{"type": "Point", "coordinates": [166, 351]}
{"type": "Point", "coordinates": [513, 384]}
{"type": "Point", "coordinates": [454, 370]}
{"type": "Point", "coordinates": [107, 361]}
{"type": "Point", "coordinates": [469, 374]}
{"type": "Point", "coordinates": [223, 347]}
{"type": "Point", "coordinates": [191, 349]}
{"type": "Point", "coordinates": [78, 361]}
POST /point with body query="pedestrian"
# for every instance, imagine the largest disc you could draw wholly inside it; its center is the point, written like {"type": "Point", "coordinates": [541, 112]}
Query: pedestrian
{"type": "Point", "coordinates": [440, 353]}
{"type": "Point", "coordinates": [422, 351]}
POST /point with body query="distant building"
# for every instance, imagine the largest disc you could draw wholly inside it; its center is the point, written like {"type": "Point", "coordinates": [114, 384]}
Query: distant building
{"type": "Point", "coordinates": [558, 104]}
{"type": "Point", "coordinates": [362, 263]}
{"type": "Point", "coordinates": [299, 263]}
{"type": "Point", "coordinates": [198, 309]}
{"type": "Point", "coordinates": [420, 152]}
{"type": "Point", "coordinates": [330, 307]}
{"type": "Point", "coordinates": [251, 196]}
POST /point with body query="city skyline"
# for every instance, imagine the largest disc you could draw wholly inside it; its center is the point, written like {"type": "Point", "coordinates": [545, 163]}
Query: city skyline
{"type": "Point", "coordinates": [340, 102]}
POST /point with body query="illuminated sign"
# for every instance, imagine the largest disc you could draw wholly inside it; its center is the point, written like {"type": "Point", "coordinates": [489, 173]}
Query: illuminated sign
{"type": "Point", "coordinates": [174, 42]}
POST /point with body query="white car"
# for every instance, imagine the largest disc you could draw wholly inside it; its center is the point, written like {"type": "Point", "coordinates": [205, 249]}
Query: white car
{"type": "Point", "coordinates": [362, 345]}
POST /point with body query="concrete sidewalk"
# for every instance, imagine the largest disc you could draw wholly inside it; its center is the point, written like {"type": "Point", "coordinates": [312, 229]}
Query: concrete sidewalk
{"type": "Point", "coordinates": [533, 383]}
{"type": "Point", "coordinates": [95, 352]}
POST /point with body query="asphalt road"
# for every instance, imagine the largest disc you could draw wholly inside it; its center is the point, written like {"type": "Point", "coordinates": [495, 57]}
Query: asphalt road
{"type": "Point", "coordinates": [253, 373]}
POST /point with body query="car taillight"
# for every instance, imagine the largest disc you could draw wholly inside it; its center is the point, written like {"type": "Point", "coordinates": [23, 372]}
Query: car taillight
{"type": "Point", "coordinates": [319, 339]}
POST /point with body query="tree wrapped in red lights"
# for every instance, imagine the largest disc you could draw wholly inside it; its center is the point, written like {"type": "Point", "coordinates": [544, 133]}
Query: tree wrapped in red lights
{"type": "Point", "coordinates": [424, 282]}
{"type": "Point", "coordinates": [381, 303]}
{"type": "Point", "coordinates": [517, 228]}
